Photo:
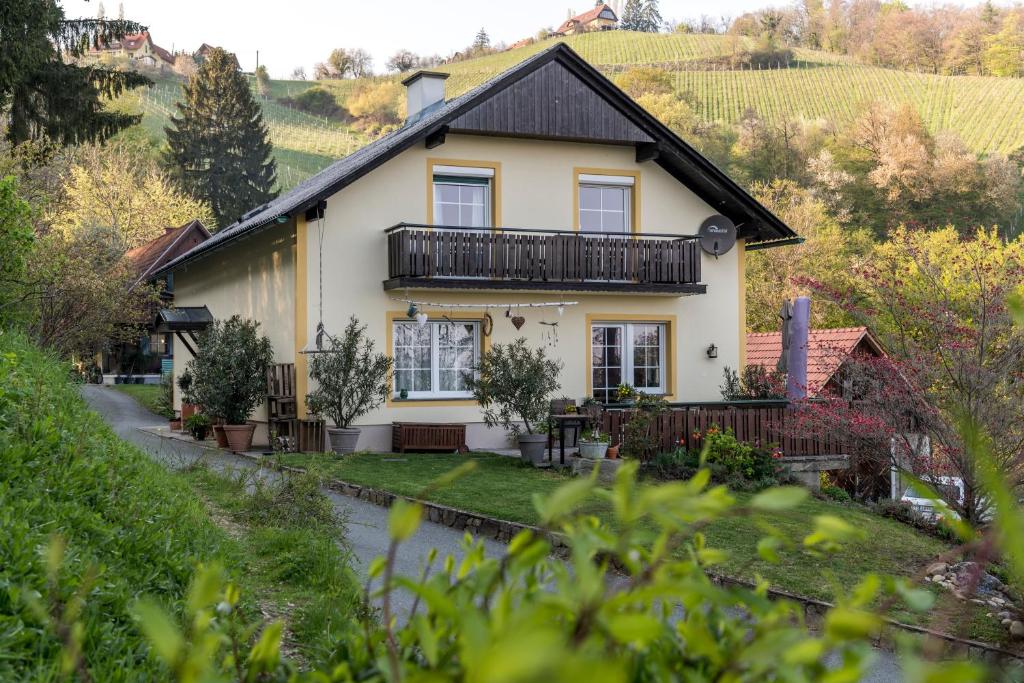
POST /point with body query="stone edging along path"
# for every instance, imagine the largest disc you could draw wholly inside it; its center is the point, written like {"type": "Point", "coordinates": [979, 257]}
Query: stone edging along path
{"type": "Point", "coordinates": [503, 531]}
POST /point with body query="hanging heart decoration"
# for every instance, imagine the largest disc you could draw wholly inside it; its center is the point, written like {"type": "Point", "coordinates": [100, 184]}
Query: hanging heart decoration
{"type": "Point", "coordinates": [421, 319]}
{"type": "Point", "coordinates": [518, 321]}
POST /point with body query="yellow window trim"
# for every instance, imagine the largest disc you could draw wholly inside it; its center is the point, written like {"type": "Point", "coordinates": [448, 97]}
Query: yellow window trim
{"type": "Point", "coordinates": [671, 329]}
{"type": "Point", "coordinates": [301, 312]}
{"type": "Point", "coordinates": [634, 213]}
{"type": "Point", "coordinates": [390, 318]}
{"type": "Point", "coordinates": [741, 268]}
{"type": "Point", "coordinates": [466, 163]}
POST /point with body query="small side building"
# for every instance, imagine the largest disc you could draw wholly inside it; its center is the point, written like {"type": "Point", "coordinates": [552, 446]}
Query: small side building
{"type": "Point", "coordinates": [828, 351]}
{"type": "Point", "coordinates": [144, 361]}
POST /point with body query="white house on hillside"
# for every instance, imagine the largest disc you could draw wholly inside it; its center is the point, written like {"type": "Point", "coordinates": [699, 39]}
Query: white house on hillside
{"type": "Point", "coordinates": [546, 184]}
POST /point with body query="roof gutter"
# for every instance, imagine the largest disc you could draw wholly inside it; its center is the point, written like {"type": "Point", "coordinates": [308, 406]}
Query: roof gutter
{"type": "Point", "coordinates": [788, 241]}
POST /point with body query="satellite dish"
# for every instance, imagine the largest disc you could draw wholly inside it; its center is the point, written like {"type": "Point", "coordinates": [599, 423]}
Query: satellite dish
{"type": "Point", "coordinates": [717, 235]}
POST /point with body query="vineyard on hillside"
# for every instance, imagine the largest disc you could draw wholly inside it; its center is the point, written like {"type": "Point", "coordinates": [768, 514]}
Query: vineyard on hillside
{"type": "Point", "coordinates": [985, 111]}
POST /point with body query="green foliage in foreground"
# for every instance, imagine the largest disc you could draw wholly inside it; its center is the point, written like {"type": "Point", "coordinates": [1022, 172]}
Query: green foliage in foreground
{"type": "Point", "coordinates": [90, 524]}
{"type": "Point", "coordinates": [502, 487]}
{"type": "Point", "coordinates": [129, 528]}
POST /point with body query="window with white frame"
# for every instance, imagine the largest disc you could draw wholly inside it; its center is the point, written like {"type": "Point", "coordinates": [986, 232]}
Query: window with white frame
{"type": "Point", "coordinates": [605, 203]}
{"type": "Point", "coordinates": [462, 196]}
{"type": "Point", "coordinates": [628, 353]}
{"type": "Point", "coordinates": [433, 360]}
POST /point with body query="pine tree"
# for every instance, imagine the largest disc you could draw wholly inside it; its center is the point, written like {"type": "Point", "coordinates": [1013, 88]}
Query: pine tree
{"type": "Point", "coordinates": [43, 92]}
{"type": "Point", "coordinates": [650, 17]}
{"type": "Point", "coordinates": [482, 40]}
{"type": "Point", "coordinates": [219, 149]}
{"type": "Point", "coordinates": [632, 16]}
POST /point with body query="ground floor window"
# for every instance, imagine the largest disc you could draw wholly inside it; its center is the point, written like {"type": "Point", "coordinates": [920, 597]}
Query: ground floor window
{"type": "Point", "coordinates": [433, 360]}
{"type": "Point", "coordinates": [627, 353]}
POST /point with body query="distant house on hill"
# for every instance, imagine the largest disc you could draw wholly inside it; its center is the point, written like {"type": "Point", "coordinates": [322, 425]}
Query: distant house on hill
{"type": "Point", "coordinates": [827, 354]}
{"type": "Point", "coordinates": [600, 18]}
{"type": "Point", "coordinates": [139, 48]}
{"type": "Point", "coordinates": [146, 359]}
{"type": "Point", "coordinates": [204, 51]}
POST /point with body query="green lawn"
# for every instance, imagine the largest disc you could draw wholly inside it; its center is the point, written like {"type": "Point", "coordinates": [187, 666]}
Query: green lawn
{"type": "Point", "coordinates": [502, 487]}
{"type": "Point", "coordinates": [149, 395]}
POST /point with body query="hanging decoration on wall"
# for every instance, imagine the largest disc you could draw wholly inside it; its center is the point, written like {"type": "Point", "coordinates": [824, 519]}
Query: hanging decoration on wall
{"type": "Point", "coordinates": [317, 345]}
{"type": "Point", "coordinates": [550, 336]}
{"type": "Point", "coordinates": [416, 311]}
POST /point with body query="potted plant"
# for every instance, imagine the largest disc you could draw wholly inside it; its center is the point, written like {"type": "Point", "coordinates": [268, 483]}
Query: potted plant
{"type": "Point", "coordinates": [229, 374]}
{"type": "Point", "coordinates": [188, 404]}
{"type": "Point", "coordinates": [594, 446]}
{"type": "Point", "coordinates": [512, 385]}
{"type": "Point", "coordinates": [198, 426]}
{"type": "Point", "coordinates": [625, 393]}
{"type": "Point", "coordinates": [351, 381]}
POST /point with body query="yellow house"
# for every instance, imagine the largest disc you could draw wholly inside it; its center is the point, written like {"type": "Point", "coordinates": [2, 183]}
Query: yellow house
{"type": "Point", "coordinates": [600, 17]}
{"type": "Point", "coordinates": [545, 185]}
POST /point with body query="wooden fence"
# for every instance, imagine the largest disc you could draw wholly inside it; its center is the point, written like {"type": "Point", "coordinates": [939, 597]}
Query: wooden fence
{"type": "Point", "coordinates": [762, 423]}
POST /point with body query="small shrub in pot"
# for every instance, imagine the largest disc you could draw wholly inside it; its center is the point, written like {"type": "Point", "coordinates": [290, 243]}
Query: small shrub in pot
{"type": "Point", "coordinates": [198, 426]}
{"type": "Point", "coordinates": [513, 384]}
{"type": "Point", "coordinates": [229, 375]}
{"type": "Point", "coordinates": [351, 381]}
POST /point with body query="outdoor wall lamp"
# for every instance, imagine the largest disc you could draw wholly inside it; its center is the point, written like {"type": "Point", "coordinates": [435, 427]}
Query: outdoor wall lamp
{"type": "Point", "coordinates": [712, 351]}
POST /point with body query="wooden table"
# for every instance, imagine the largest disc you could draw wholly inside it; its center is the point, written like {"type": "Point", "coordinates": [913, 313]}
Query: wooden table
{"type": "Point", "coordinates": [576, 420]}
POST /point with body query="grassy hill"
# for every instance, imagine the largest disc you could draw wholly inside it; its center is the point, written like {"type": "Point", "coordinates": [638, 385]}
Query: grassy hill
{"type": "Point", "coordinates": [985, 111]}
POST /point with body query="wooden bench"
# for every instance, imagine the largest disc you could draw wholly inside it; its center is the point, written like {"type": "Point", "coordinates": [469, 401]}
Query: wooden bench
{"type": "Point", "coordinates": [427, 437]}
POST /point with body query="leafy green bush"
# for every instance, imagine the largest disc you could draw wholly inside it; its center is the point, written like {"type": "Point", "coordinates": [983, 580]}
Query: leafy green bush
{"type": "Point", "coordinates": [836, 493]}
{"type": "Point", "coordinates": [123, 526]}
{"type": "Point", "coordinates": [318, 102]}
{"type": "Point", "coordinates": [639, 438]}
{"type": "Point", "coordinates": [229, 370]}
{"type": "Point", "coordinates": [351, 380]}
{"type": "Point", "coordinates": [739, 465]}
{"type": "Point", "coordinates": [513, 385]}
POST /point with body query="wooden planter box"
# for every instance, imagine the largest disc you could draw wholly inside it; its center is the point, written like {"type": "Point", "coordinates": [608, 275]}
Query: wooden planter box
{"type": "Point", "coordinates": [427, 437]}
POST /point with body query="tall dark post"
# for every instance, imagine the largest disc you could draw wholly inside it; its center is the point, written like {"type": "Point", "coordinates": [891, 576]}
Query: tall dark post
{"type": "Point", "coordinates": [799, 324]}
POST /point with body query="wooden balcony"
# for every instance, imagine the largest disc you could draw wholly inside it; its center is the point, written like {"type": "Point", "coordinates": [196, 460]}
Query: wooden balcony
{"type": "Point", "coordinates": [445, 257]}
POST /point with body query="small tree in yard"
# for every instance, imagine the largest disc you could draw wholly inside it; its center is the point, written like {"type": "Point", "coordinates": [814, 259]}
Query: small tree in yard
{"type": "Point", "coordinates": [938, 302]}
{"type": "Point", "coordinates": [229, 371]}
{"type": "Point", "coordinates": [351, 379]}
{"type": "Point", "coordinates": [514, 384]}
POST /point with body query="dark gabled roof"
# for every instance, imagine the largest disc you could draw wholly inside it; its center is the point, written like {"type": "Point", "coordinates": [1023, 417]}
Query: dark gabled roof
{"type": "Point", "coordinates": [150, 257]}
{"type": "Point", "coordinates": [754, 221]}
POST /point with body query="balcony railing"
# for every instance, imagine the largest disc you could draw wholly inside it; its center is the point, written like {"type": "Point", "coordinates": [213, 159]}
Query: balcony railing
{"type": "Point", "coordinates": [510, 258]}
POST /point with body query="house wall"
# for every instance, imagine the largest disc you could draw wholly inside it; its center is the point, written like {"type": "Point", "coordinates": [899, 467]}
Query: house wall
{"type": "Point", "coordinates": [536, 189]}
{"type": "Point", "coordinates": [254, 278]}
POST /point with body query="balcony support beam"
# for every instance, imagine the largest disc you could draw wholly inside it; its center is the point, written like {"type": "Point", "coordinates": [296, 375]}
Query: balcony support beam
{"type": "Point", "coordinates": [401, 283]}
{"type": "Point", "coordinates": [647, 151]}
{"type": "Point", "coordinates": [436, 138]}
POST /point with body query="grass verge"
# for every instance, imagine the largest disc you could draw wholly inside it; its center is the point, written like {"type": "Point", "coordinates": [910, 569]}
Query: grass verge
{"type": "Point", "coordinates": [127, 528]}
{"type": "Point", "coordinates": [291, 555]}
{"type": "Point", "coordinates": [151, 396]}
{"type": "Point", "coordinates": [502, 487]}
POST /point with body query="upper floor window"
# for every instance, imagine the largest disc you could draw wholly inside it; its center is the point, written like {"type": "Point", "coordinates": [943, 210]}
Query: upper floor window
{"type": "Point", "coordinates": [463, 196]}
{"type": "Point", "coordinates": [605, 203]}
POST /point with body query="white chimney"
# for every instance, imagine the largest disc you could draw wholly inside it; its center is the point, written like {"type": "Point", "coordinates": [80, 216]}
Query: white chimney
{"type": "Point", "coordinates": [424, 91]}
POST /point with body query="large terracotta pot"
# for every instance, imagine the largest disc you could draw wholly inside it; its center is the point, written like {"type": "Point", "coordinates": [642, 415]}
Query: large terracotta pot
{"type": "Point", "coordinates": [239, 437]}
{"type": "Point", "coordinates": [188, 410]}
{"type": "Point", "coordinates": [218, 433]}
{"type": "Point", "coordinates": [343, 440]}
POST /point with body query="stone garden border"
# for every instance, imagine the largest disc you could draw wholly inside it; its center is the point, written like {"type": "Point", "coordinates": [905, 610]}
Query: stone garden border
{"type": "Point", "coordinates": [503, 531]}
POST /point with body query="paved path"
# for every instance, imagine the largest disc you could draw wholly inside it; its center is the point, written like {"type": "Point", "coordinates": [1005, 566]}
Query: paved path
{"type": "Point", "coordinates": [366, 531]}
{"type": "Point", "coordinates": [367, 525]}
